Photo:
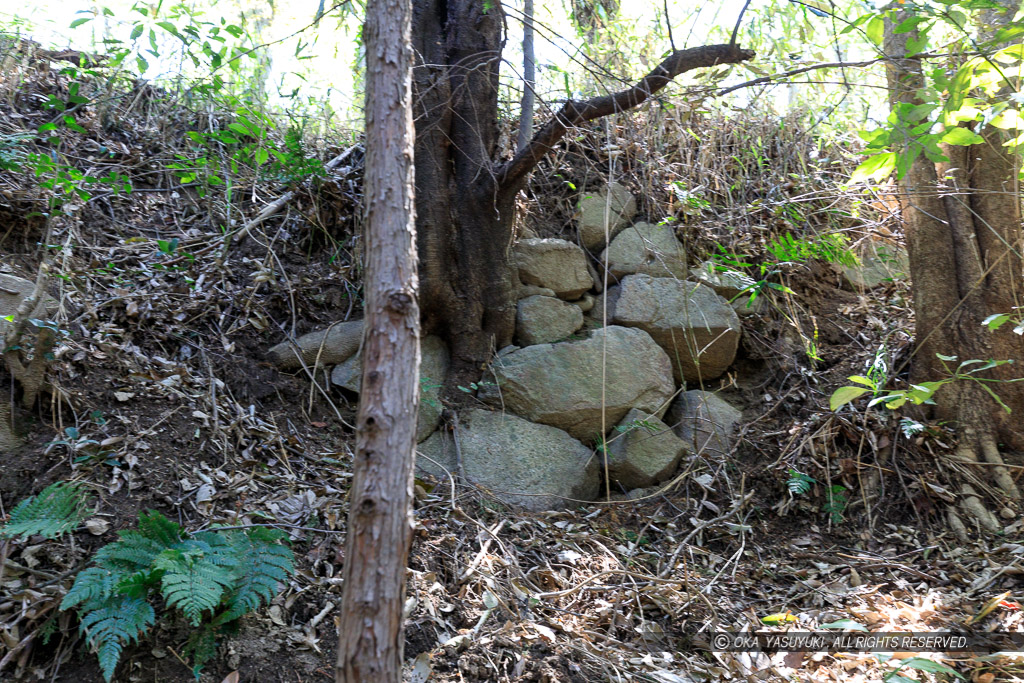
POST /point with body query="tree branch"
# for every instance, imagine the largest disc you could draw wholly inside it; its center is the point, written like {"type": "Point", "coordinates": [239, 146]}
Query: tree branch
{"type": "Point", "coordinates": [573, 112]}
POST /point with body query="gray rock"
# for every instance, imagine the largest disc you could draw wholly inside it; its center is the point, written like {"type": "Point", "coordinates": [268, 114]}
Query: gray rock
{"type": "Point", "coordinates": [621, 207]}
{"type": "Point", "coordinates": [542, 319]}
{"type": "Point", "coordinates": [533, 290]}
{"type": "Point", "coordinates": [560, 384]}
{"type": "Point", "coordinates": [744, 307]}
{"type": "Point", "coordinates": [597, 312]}
{"type": "Point", "coordinates": [556, 264]}
{"type": "Point", "coordinates": [13, 291]}
{"type": "Point", "coordinates": [434, 362]}
{"type": "Point", "coordinates": [334, 345]}
{"type": "Point", "coordinates": [726, 283]}
{"type": "Point", "coordinates": [879, 263]}
{"type": "Point", "coordinates": [705, 422]}
{"type": "Point", "coordinates": [586, 303]}
{"type": "Point", "coordinates": [696, 327]}
{"type": "Point", "coordinates": [527, 465]}
{"type": "Point", "coordinates": [648, 249]}
{"type": "Point", "coordinates": [643, 451]}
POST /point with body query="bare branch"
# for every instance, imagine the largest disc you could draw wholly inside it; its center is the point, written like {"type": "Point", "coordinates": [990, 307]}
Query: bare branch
{"type": "Point", "coordinates": [573, 112]}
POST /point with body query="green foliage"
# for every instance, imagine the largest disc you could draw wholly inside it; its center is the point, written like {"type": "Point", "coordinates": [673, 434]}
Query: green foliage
{"type": "Point", "coordinates": [836, 503]}
{"type": "Point", "coordinates": [918, 664]}
{"type": "Point", "coordinates": [56, 510]}
{"type": "Point", "coordinates": [922, 393]}
{"type": "Point", "coordinates": [799, 483]}
{"type": "Point", "coordinates": [954, 107]}
{"type": "Point", "coordinates": [212, 577]}
{"type": "Point", "coordinates": [830, 247]}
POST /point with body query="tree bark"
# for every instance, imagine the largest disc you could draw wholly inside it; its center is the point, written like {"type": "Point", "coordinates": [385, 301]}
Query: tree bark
{"type": "Point", "coordinates": [963, 242]}
{"type": "Point", "coordinates": [370, 642]}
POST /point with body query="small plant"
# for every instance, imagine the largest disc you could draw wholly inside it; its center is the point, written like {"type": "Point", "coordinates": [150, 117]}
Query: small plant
{"type": "Point", "coordinates": [426, 387]}
{"type": "Point", "coordinates": [836, 503]}
{"type": "Point", "coordinates": [918, 664]}
{"type": "Point", "coordinates": [474, 386]}
{"type": "Point", "coordinates": [55, 511]}
{"type": "Point", "coordinates": [212, 577]}
{"type": "Point", "coordinates": [918, 393]}
{"type": "Point", "coordinates": [799, 484]}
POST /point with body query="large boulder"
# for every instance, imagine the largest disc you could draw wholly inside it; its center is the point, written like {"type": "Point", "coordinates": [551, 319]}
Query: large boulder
{"type": "Point", "coordinates": [561, 385]}
{"type": "Point", "coordinates": [542, 319]}
{"type": "Point", "coordinates": [528, 465]}
{"type": "Point", "coordinates": [643, 451]}
{"type": "Point", "coordinates": [878, 263]}
{"type": "Point", "coordinates": [336, 344]}
{"type": "Point", "coordinates": [649, 249]}
{"type": "Point", "coordinates": [434, 363]}
{"type": "Point", "coordinates": [13, 291]}
{"type": "Point", "coordinates": [620, 205]}
{"type": "Point", "coordinates": [705, 422]}
{"type": "Point", "coordinates": [696, 327]}
{"type": "Point", "coordinates": [555, 264]}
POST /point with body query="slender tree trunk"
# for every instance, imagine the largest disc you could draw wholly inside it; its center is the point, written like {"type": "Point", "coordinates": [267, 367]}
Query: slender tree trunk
{"type": "Point", "coordinates": [371, 641]}
{"type": "Point", "coordinates": [963, 242]}
{"type": "Point", "coordinates": [529, 78]}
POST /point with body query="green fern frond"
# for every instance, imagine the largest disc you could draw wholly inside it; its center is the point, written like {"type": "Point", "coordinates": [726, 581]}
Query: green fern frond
{"type": "Point", "coordinates": [120, 621]}
{"type": "Point", "coordinates": [267, 563]}
{"type": "Point", "coordinates": [156, 527]}
{"type": "Point", "coordinates": [197, 577]}
{"type": "Point", "coordinates": [92, 588]}
{"type": "Point", "coordinates": [58, 509]}
{"type": "Point", "coordinates": [132, 551]}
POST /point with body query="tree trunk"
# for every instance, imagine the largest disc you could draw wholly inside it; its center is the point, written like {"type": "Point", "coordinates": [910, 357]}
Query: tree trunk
{"type": "Point", "coordinates": [370, 642]}
{"type": "Point", "coordinates": [529, 78]}
{"type": "Point", "coordinates": [464, 219]}
{"type": "Point", "coordinates": [963, 242]}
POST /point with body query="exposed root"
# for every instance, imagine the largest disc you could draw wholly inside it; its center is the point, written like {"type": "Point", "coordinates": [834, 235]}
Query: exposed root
{"type": "Point", "coordinates": [971, 503]}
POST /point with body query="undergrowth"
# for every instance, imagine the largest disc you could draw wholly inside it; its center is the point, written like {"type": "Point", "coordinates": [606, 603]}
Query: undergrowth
{"type": "Point", "coordinates": [212, 577]}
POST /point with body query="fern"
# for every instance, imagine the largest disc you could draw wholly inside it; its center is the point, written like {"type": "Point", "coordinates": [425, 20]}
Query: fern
{"type": "Point", "coordinates": [197, 577]}
{"type": "Point", "coordinates": [213, 578]}
{"type": "Point", "coordinates": [267, 564]}
{"type": "Point", "coordinates": [799, 483]}
{"type": "Point", "coordinates": [108, 628]}
{"type": "Point", "coordinates": [58, 509]}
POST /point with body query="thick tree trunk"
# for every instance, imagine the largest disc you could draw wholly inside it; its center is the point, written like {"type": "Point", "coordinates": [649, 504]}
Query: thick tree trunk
{"type": "Point", "coordinates": [963, 242]}
{"type": "Point", "coordinates": [464, 221]}
{"type": "Point", "coordinates": [370, 641]}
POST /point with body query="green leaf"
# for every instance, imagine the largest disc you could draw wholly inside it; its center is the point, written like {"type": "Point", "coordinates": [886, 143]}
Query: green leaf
{"type": "Point", "coordinates": [844, 395]}
{"type": "Point", "coordinates": [961, 136]}
{"type": "Point", "coordinates": [78, 22]}
{"type": "Point", "coordinates": [845, 625]}
{"type": "Point", "coordinates": [995, 321]}
{"type": "Point", "coordinates": [877, 167]}
{"type": "Point", "coordinates": [137, 31]}
{"type": "Point", "coordinates": [931, 666]}
{"type": "Point", "coordinates": [875, 30]}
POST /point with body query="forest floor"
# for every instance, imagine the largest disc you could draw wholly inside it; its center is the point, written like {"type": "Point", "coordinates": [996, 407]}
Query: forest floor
{"type": "Point", "coordinates": [161, 398]}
